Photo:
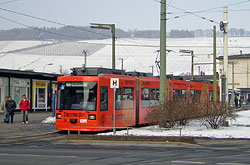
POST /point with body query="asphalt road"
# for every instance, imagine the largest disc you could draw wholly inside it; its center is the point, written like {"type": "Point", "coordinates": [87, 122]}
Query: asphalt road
{"type": "Point", "coordinates": [224, 152]}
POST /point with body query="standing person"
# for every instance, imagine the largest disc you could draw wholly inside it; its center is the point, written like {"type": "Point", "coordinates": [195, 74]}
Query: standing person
{"type": "Point", "coordinates": [236, 101]}
{"type": "Point", "coordinates": [3, 108]}
{"type": "Point", "coordinates": [24, 106]}
{"type": "Point", "coordinates": [10, 106]}
{"type": "Point", "coordinates": [240, 101]}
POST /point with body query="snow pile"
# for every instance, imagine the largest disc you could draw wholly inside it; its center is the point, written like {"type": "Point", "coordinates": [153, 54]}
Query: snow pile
{"type": "Point", "coordinates": [49, 120]}
{"type": "Point", "coordinates": [240, 128]}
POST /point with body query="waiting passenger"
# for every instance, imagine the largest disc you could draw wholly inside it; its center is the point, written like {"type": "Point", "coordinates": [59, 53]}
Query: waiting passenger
{"type": "Point", "coordinates": [3, 108]}
{"type": "Point", "coordinates": [10, 106]}
{"type": "Point", "coordinates": [24, 106]}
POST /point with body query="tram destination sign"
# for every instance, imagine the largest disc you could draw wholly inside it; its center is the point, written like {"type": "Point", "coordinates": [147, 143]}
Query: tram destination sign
{"type": "Point", "coordinates": [114, 83]}
{"type": "Point", "coordinates": [76, 84]}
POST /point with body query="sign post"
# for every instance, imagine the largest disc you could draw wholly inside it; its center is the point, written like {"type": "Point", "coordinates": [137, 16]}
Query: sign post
{"type": "Point", "coordinates": [114, 83]}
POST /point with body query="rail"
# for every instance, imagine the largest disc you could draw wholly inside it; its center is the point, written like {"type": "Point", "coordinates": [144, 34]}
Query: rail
{"type": "Point", "coordinates": [79, 132]}
{"type": "Point", "coordinates": [79, 127]}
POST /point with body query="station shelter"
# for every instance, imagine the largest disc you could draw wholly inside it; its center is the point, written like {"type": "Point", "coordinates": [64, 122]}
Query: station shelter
{"type": "Point", "coordinates": [39, 87]}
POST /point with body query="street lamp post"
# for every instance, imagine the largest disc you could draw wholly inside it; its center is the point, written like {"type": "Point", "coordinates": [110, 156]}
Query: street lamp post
{"type": "Point", "coordinates": [112, 27]}
{"type": "Point", "coordinates": [191, 52]}
{"type": "Point", "coordinates": [46, 65]}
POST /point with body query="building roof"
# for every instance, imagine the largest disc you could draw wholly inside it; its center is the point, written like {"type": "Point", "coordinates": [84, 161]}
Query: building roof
{"type": "Point", "coordinates": [28, 74]}
{"type": "Point", "coordinates": [238, 56]}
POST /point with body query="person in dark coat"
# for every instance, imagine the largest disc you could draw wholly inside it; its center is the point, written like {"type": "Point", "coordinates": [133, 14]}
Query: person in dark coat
{"type": "Point", "coordinates": [236, 100]}
{"type": "Point", "coordinates": [10, 106]}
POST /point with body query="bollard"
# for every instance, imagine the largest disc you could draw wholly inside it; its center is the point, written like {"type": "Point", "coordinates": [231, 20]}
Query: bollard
{"type": "Point", "coordinates": [180, 131]}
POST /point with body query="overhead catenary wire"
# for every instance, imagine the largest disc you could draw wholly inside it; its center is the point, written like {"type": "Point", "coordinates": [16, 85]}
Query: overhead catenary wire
{"type": "Point", "coordinates": [73, 27]}
{"type": "Point", "coordinates": [58, 34]}
{"type": "Point", "coordinates": [214, 11]}
{"type": "Point", "coordinates": [62, 24]}
{"type": "Point", "coordinates": [54, 22]}
{"type": "Point", "coordinates": [133, 57]}
{"type": "Point", "coordinates": [1, 3]}
{"type": "Point", "coordinates": [202, 11]}
{"type": "Point", "coordinates": [131, 41]}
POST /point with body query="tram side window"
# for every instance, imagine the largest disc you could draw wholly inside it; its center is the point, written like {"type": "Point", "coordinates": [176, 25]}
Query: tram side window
{"type": "Point", "coordinates": [145, 97]}
{"type": "Point", "coordinates": [183, 95]}
{"type": "Point", "coordinates": [152, 97]}
{"type": "Point", "coordinates": [211, 96]}
{"type": "Point", "coordinates": [157, 95]}
{"type": "Point", "coordinates": [198, 96]}
{"type": "Point", "coordinates": [104, 98]}
{"type": "Point", "coordinates": [128, 98]}
{"type": "Point", "coordinates": [176, 94]}
{"type": "Point", "coordinates": [118, 99]}
{"type": "Point", "coordinates": [192, 96]}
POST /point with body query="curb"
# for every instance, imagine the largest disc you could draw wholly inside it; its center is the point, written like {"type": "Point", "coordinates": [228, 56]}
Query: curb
{"type": "Point", "coordinates": [34, 135]}
{"type": "Point", "coordinates": [189, 140]}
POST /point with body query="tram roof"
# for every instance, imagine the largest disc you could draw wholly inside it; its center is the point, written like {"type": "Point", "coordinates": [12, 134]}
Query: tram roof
{"type": "Point", "coordinates": [95, 71]}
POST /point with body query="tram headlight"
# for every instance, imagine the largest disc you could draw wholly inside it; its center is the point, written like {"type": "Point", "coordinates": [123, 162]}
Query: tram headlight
{"type": "Point", "coordinates": [92, 117]}
{"type": "Point", "coordinates": [58, 116]}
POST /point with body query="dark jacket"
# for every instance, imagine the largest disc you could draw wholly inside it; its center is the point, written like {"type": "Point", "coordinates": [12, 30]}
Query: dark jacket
{"type": "Point", "coordinates": [10, 106]}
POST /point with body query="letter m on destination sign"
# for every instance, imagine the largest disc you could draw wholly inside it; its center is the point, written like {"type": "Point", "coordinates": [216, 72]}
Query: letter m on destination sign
{"type": "Point", "coordinates": [114, 83]}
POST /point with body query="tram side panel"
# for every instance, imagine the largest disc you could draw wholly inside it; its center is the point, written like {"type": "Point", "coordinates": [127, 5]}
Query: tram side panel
{"type": "Point", "coordinates": [148, 97]}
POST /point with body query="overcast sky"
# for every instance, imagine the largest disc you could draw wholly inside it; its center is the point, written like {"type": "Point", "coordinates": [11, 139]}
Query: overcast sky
{"type": "Point", "coordinates": [126, 14]}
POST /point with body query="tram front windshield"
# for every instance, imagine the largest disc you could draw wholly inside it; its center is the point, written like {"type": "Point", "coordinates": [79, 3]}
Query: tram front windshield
{"type": "Point", "coordinates": [77, 96]}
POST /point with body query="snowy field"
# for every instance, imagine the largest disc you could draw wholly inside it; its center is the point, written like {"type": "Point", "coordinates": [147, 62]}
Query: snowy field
{"type": "Point", "coordinates": [240, 128]}
{"type": "Point", "coordinates": [138, 54]}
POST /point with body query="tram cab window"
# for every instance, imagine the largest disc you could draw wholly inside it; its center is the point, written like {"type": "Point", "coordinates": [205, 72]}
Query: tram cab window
{"type": "Point", "coordinates": [152, 97]}
{"type": "Point", "coordinates": [145, 97]}
{"type": "Point", "coordinates": [118, 99]}
{"type": "Point", "coordinates": [128, 98]}
{"type": "Point", "coordinates": [157, 95]}
{"type": "Point", "coordinates": [77, 96]}
{"type": "Point", "coordinates": [192, 96]}
{"type": "Point", "coordinates": [198, 96]}
{"type": "Point", "coordinates": [103, 98]}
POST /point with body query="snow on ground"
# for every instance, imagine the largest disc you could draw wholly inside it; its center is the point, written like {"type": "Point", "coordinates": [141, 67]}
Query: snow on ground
{"type": "Point", "coordinates": [49, 120]}
{"type": "Point", "coordinates": [240, 128]}
{"type": "Point", "coordinates": [137, 53]}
